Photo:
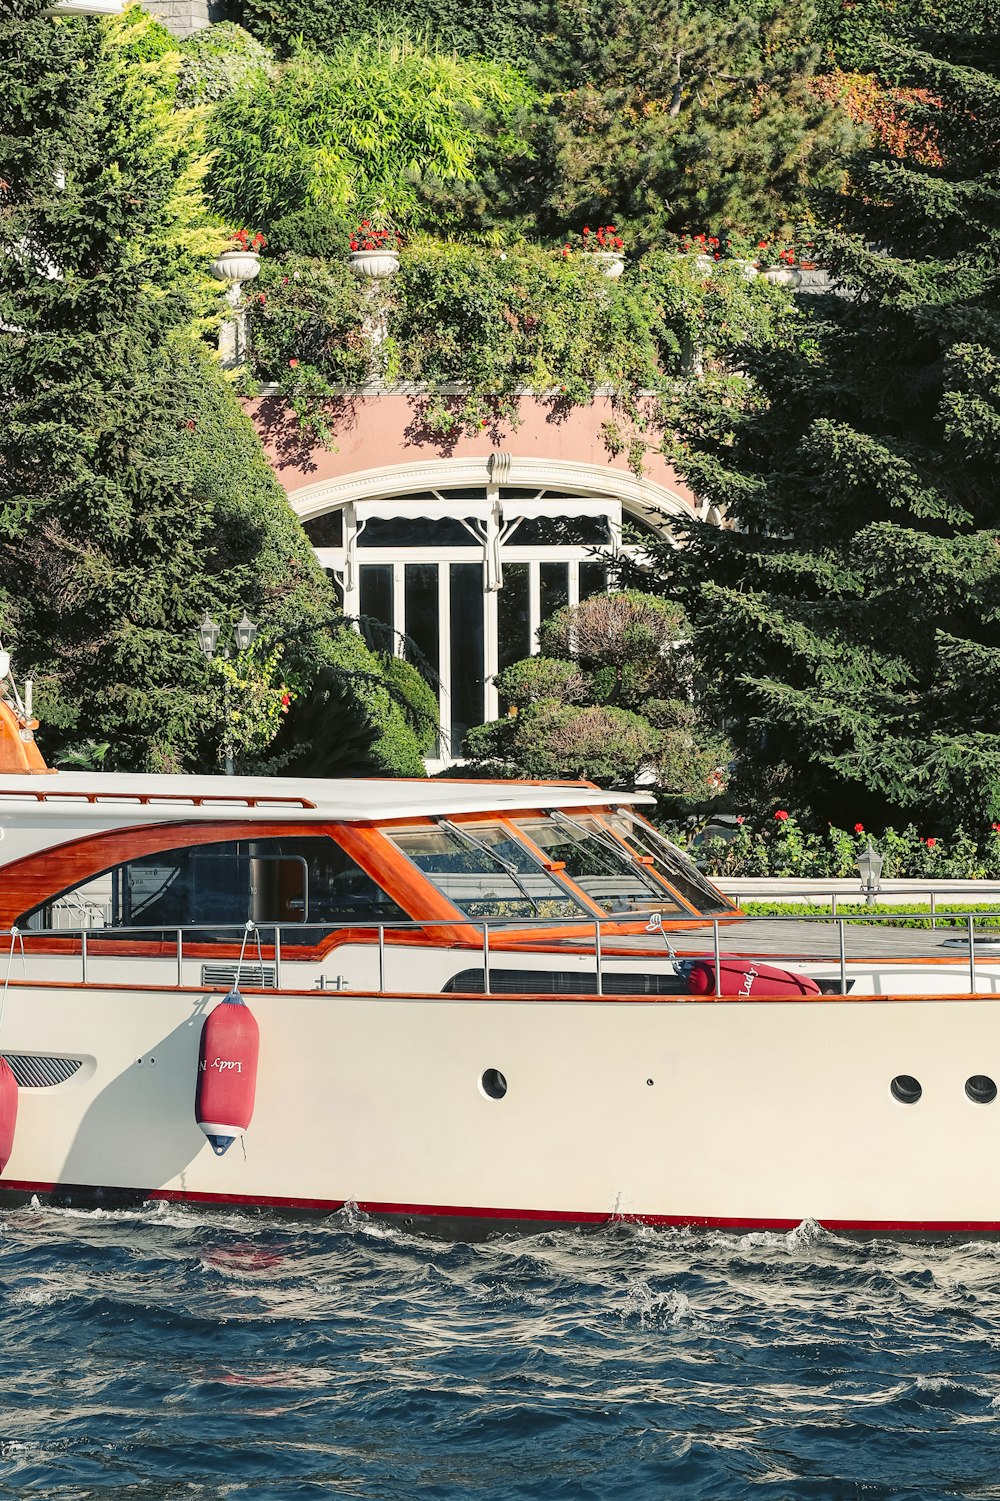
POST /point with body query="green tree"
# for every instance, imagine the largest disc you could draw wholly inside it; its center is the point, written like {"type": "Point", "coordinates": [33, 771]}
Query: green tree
{"type": "Point", "coordinates": [664, 117]}
{"type": "Point", "coordinates": [135, 492]}
{"type": "Point", "coordinates": [849, 617]}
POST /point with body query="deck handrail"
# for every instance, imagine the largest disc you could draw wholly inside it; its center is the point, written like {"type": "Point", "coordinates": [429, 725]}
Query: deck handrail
{"type": "Point", "coordinates": [255, 940]}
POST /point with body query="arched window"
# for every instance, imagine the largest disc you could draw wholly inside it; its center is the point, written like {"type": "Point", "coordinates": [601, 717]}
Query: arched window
{"type": "Point", "coordinates": [460, 579]}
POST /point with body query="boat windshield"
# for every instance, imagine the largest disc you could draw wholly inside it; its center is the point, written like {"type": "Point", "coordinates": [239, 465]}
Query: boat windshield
{"type": "Point", "coordinates": [671, 862]}
{"type": "Point", "coordinates": [612, 878]}
{"type": "Point", "coordinates": [486, 872]}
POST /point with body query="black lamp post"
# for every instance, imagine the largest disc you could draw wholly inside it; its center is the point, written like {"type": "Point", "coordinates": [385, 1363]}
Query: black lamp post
{"type": "Point", "coordinates": [244, 633]}
{"type": "Point", "coordinates": [870, 866]}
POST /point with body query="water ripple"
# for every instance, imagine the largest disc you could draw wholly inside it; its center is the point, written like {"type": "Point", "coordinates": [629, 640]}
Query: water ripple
{"type": "Point", "coordinates": [167, 1354]}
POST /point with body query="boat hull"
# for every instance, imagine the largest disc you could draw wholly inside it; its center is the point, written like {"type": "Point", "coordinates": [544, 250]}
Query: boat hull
{"type": "Point", "coordinates": [732, 1114]}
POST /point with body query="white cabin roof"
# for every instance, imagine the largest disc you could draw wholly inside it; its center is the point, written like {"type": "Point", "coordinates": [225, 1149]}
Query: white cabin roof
{"type": "Point", "coordinates": [140, 797]}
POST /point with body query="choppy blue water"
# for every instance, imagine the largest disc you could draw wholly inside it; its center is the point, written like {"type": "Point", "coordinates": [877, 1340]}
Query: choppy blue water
{"type": "Point", "coordinates": [169, 1354]}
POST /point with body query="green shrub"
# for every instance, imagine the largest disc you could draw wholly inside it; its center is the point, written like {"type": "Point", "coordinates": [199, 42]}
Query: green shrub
{"type": "Point", "coordinates": [537, 678]}
{"type": "Point", "coordinates": [217, 60]}
{"type": "Point", "coordinates": [356, 131]}
{"type": "Point", "coordinates": [490, 28]}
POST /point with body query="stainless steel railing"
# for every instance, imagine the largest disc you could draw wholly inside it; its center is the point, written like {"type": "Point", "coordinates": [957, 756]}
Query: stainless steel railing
{"type": "Point", "coordinates": [269, 940]}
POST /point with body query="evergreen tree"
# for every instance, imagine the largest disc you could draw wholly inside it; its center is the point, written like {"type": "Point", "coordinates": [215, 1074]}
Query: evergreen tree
{"type": "Point", "coordinates": [850, 615]}
{"type": "Point", "coordinates": [664, 117]}
{"type": "Point", "coordinates": [135, 494]}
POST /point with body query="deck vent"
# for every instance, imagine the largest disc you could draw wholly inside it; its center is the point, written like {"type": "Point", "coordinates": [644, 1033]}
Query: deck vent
{"type": "Point", "coordinates": [36, 1071]}
{"type": "Point", "coordinates": [252, 976]}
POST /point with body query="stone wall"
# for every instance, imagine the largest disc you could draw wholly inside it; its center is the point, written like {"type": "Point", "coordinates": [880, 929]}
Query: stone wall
{"type": "Point", "coordinates": [184, 16]}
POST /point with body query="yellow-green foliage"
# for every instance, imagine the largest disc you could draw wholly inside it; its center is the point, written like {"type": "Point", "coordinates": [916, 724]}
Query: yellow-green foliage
{"type": "Point", "coordinates": [357, 130]}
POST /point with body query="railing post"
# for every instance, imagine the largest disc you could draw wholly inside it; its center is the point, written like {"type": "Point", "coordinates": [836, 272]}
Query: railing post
{"type": "Point", "coordinates": [486, 958]}
{"type": "Point", "coordinates": [597, 958]}
{"type": "Point", "coordinates": [833, 904]}
{"type": "Point", "coordinates": [718, 959]}
{"type": "Point", "coordinates": [843, 957]}
{"type": "Point", "coordinates": [381, 958]}
{"type": "Point", "coordinates": [179, 933]}
{"type": "Point", "coordinates": [972, 956]}
{"type": "Point", "coordinates": [933, 909]}
{"type": "Point", "coordinates": [83, 956]}
{"type": "Point", "coordinates": [277, 956]}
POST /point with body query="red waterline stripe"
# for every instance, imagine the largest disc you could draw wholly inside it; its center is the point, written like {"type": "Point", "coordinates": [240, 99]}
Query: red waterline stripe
{"type": "Point", "coordinates": [550, 1216]}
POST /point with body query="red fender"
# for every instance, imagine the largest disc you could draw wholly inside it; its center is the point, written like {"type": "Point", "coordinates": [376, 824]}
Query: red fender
{"type": "Point", "coordinates": [8, 1111]}
{"type": "Point", "coordinates": [745, 977]}
{"type": "Point", "coordinates": [227, 1072]}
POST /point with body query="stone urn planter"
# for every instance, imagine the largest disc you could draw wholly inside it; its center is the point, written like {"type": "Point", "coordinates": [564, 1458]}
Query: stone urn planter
{"type": "Point", "coordinates": [781, 275]}
{"type": "Point", "coordinates": [374, 263]}
{"type": "Point", "coordinates": [235, 266]}
{"type": "Point", "coordinates": [610, 263]}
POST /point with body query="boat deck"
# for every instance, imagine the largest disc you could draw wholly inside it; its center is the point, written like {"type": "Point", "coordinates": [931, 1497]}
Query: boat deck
{"type": "Point", "coordinates": [789, 939]}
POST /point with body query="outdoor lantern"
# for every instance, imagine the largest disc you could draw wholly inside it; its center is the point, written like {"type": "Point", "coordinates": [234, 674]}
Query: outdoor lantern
{"type": "Point", "coordinates": [870, 866]}
{"type": "Point", "coordinates": [244, 631]}
{"type": "Point", "coordinates": [208, 635]}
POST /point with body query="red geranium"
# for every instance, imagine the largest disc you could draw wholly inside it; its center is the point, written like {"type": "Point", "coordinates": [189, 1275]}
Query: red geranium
{"type": "Point", "coordinates": [606, 236]}
{"type": "Point", "coordinates": [781, 815]}
{"type": "Point", "coordinates": [244, 240]}
{"type": "Point", "coordinates": [367, 238]}
{"type": "Point", "coordinates": [859, 828]}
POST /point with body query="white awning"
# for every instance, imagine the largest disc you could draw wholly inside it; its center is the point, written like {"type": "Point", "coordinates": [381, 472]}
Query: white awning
{"type": "Point", "coordinates": [571, 505]}
{"type": "Point", "coordinates": [425, 507]}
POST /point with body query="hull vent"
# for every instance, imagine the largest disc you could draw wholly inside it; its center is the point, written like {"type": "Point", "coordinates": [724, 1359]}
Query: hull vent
{"type": "Point", "coordinates": [562, 982]}
{"type": "Point", "coordinates": [252, 976]}
{"type": "Point", "coordinates": [34, 1071]}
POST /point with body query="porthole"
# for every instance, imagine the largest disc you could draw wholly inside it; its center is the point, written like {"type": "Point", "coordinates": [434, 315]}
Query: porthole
{"type": "Point", "coordinates": [906, 1089]}
{"type": "Point", "coordinates": [981, 1089]}
{"type": "Point", "coordinates": [493, 1084]}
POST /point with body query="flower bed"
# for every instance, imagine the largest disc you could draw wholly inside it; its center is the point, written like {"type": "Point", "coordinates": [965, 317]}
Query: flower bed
{"type": "Point", "coordinates": [783, 848]}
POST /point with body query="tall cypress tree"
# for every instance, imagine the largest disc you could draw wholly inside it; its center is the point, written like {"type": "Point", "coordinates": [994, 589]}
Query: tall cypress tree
{"type": "Point", "coordinates": [134, 493]}
{"type": "Point", "coordinates": [850, 617]}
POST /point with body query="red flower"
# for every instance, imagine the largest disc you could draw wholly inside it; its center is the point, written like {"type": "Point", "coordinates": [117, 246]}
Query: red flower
{"type": "Point", "coordinates": [293, 363]}
{"type": "Point", "coordinates": [930, 843]}
{"type": "Point", "coordinates": [261, 296]}
{"type": "Point", "coordinates": [859, 828]}
{"type": "Point", "coordinates": [995, 827]}
{"type": "Point", "coordinates": [482, 422]}
{"type": "Point", "coordinates": [781, 815]}
{"type": "Point", "coordinates": [740, 818]}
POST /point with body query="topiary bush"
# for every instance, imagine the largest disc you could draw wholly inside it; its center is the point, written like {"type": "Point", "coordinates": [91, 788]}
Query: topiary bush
{"type": "Point", "coordinates": [217, 60]}
{"type": "Point", "coordinates": [602, 712]}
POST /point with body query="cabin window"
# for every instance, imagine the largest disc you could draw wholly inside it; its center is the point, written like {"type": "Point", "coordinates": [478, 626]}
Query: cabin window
{"type": "Point", "coordinates": [486, 872]}
{"type": "Point", "coordinates": [599, 865]}
{"type": "Point", "coordinates": [671, 863]}
{"type": "Point", "coordinates": [218, 887]}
